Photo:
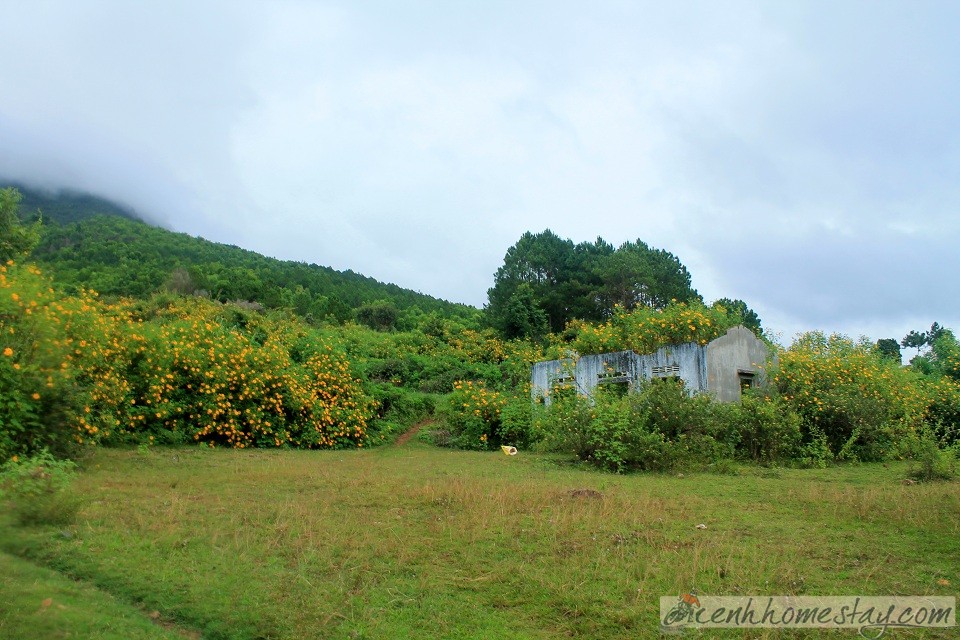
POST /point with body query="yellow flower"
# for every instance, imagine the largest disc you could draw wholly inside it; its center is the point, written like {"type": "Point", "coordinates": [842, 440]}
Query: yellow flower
{"type": "Point", "coordinates": [8, 352]}
{"type": "Point", "coordinates": [35, 396]}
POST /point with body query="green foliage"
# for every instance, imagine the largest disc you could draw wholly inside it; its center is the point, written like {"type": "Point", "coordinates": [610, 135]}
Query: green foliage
{"type": "Point", "coordinates": [931, 460]}
{"type": "Point", "coordinates": [864, 404]}
{"type": "Point", "coordinates": [769, 430]}
{"type": "Point", "coordinates": [544, 277]}
{"type": "Point", "coordinates": [943, 359]}
{"type": "Point", "coordinates": [743, 314]}
{"type": "Point", "coordinates": [889, 349]}
{"type": "Point", "coordinates": [380, 316]}
{"type": "Point", "coordinates": [637, 275]}
{"type": "Point", "coordinates": [914, 340]}
{"type": "Point", "coordinates": [471, 417]}
{"type": "Point", "coordinates": [659, 428]}
{"type": "Point", "coordinates": [121, 257]}
{"type": "Point", "coordinates": [38, 487]}
{"type": "Point", "coordinates": [517, 426]}
{"type": "Point", "coordinates": [815, 451]}
{"type": "Point", "coordinates": [16, 239]}
{"type": "Point", "coordinates": [522, 318]}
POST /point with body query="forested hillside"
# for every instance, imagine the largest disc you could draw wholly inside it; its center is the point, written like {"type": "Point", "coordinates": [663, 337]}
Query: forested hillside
{"type": "Point", "coordinates": [93, 243]}
{"type": "Point", "coordinates": [64, 207]}
{"type": "Point", "coordinates": [116, 256]}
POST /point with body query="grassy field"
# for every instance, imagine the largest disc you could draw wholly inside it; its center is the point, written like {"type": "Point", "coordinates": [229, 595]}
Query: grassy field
{"type": "Point", "coordinates": [416, 542]}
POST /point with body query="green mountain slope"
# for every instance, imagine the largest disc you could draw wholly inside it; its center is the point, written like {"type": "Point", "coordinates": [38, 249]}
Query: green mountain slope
{"type": "Point", "coordinates": [65, 207]}
{"type": "Point", "coordinates": [93, 243]}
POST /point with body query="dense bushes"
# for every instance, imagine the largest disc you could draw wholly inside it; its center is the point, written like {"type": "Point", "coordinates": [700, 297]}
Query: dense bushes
{"type": "Point", "coordinates": [660, 427]}
{"type": "Point", "coordinates": [645, 330]}
{"type": "Point", "coordinates": [471, 417]}
{"type": "Point", "coordinates": [830, 399]}
{"type": "Point", "coordinates": [76, 370]}
{"type": "Point", "coordinates": [863, 404]}
{"type": "Point", "coordinates": [39, 398]}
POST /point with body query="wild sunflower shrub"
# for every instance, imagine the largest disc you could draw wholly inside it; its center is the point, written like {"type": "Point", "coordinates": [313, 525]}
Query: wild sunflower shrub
{"type": "Point", "coordinates": [39, 398]}
{"type": "Point", "coordinates": [645, 330]}
{"type": "Point", "coordinates": [863, 405]}
{"type": "Point", "coordinates": [78, 370]}
{"type": "Point", "coordinates": [470, 417]}
{"type": "Point", "coordinates": [223, 375]}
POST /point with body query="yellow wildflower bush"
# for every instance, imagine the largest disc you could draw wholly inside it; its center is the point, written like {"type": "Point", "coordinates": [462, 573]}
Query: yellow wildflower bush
{"type": "Point", "coordinates": [645, 330]}
{"type": "Point", "coordinates": [864, 405]}
{"type": "Point", "coordinates": [38, 396]}
{"type": "Point", "coordinates": [472, 416]}
{"type": "Point", "coordinates": [79, 370]}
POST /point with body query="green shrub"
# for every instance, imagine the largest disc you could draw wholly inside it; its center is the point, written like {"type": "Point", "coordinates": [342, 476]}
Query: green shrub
{"type": "Point", "coordinates": [39, 490]}
{"type": "Point", "coordinates": [516, 422]}
{"type": "Point", "coordinates": [472, 416]}
{"type": "Point", "coordinates": [930, 461]}
{"type": "Point", "coordinates": [657, 428]}
{"type": "Point", "coordinates": [861, 402]}
{"type": "Point", "coordinates": [815, 452]}
{"type": "Point", "coordinates": [38, 393]}
{"type": "Point", "coordinates": [769, 428]}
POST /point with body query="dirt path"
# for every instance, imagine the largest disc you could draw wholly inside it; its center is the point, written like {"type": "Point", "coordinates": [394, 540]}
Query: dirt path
{"type": "Point", "coordinates": [412, 431]}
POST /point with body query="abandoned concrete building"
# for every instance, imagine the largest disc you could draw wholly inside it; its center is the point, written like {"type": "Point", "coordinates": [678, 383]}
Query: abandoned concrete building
{"type": "Point", "coordinates": [723, 367]}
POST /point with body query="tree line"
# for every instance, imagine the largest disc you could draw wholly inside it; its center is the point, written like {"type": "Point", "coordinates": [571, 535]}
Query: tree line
{"type": "Point", "coordinates": [546, 281]}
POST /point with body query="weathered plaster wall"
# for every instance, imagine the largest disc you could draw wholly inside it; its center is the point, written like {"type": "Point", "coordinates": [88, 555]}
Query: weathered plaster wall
{"type": "Point", "coordinates": [716, 367]}
{"type": "Point", "coordinates": [686, 361]}
{"type": "Point", "coordinates": [591, 369]}
{"type": "Point", "coordinates": [543, 374]}
{"type": "Point", "coordinates": [689, 358]}
{"type": "Point", "coordinates": [738, 351]}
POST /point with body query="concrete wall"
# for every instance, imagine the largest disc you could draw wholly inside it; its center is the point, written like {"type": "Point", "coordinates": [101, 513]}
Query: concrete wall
{"type": "Point", "coordinates": [620, 366]}
{"type": "Point", "coordinates": [686, 361]}
{"type": "Point", "coordinates": [738, 354]}
{"type": "Point", "coordinates": [543, 374]}
{"type": "Point", "coordinates": [716, 368]}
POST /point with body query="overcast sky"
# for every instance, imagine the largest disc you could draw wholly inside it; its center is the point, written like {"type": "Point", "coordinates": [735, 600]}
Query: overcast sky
{"type": "Point", "coordinates": [802, 156]}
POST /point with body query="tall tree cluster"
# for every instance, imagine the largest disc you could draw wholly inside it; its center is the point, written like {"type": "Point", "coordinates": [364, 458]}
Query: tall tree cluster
{"type": "Point", "coordinates": [546, 281]}
{"type": "Point", "coordinates": [16, 239]}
